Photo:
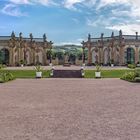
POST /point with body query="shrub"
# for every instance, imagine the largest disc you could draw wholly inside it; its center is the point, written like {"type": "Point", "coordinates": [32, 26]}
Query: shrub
{"type": "Point", "coordinates": [6, 76]}
{"type": "Point", "coordinates": [131, 66]}
{"type": "Point", "coordinates": [137, 72]}
{"type": "Point", "coordinates": [129, 76]}
{"type": "Point", "coordinates": [2, 66]}
{"type": "Point", "coordinates": [38, 68]}
{"type": "Point", "coordinates": [98, 68]}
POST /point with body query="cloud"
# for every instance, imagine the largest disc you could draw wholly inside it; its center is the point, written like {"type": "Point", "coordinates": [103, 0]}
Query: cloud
{"type": "Point", "coordinates": [12, 10]}
{"type": "Point", "coordinates": [19, 1]}
{"type": "Point", "coordinates": [68, 43]}
{"type": "Point", "coordinates": [70, 3]}
{"type": "Point", "coordinates": [42, 2]}
{"type": "Point", "coordinates": [76, 42]}
{"type": "Point", "coordinates": [126, 28]}
{"type": "Point", "coordinates": [100, 21]}
{"type": "Point", "coordinates": [104, 3]}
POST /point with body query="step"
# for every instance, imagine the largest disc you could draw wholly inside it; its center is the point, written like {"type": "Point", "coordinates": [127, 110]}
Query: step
{"type": "Point", "coordinates": [67, 74]}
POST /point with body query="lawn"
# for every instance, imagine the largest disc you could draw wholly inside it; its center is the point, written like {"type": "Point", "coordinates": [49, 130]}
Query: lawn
{"type": "Point", "coordinates": [27, 73]}
{"type": "Point", "coordinates": [106, 73]}
{"type": "Point", "coordinates": [88, 73]}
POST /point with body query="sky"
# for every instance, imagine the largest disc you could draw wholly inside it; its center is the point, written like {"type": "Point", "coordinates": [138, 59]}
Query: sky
{"type": "Point", "coordinates": [69, 21]}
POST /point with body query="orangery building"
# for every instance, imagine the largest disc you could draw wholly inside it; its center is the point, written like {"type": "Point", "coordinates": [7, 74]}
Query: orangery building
{"type": "Point", "coordinates": [120, 50]}
{"type": "Point", "coordinates": [15, 50]}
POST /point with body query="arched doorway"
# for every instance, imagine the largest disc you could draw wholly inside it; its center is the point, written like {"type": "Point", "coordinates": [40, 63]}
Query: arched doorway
{"type": "Point", "coordinates": [130, 56]}
{"type": "Point", "coordinates": [4, 56]}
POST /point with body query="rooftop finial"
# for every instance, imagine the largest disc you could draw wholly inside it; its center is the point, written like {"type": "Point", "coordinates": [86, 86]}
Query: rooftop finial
{"type": "Point", "coordinates": [102, 35]}
{"type": "Point", "coordinates": [120, 33]}
{"type": "Point", "coordinates": [112, 35]}
{"type": "Point", "coordinates": [136, 35]}
{"type": "Point", "coordinates": [13, 34]}
{"type": "Point", "coordinates": [31, 36]}
{"type": "Point", "coordinates": [89, 37]}
{"type": "Point", "coordinates": [20, 35]}
{"type": "Point", "coordinates": [44, 38]}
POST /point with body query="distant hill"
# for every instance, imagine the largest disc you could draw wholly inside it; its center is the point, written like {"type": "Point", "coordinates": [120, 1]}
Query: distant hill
{"type": "Point", "coordinates": [67, 46]}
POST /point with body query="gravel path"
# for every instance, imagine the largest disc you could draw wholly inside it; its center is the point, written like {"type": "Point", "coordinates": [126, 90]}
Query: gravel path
{"type": "Point", "coordinates": [69, 109]}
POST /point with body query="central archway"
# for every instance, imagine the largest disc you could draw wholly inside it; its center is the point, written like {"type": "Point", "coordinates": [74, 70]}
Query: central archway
{"type": "Point", "coordinates": [4, 56]}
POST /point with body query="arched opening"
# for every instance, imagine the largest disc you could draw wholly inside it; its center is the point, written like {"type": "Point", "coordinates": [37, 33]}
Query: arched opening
{"type": "Point", "coordinates": [39, 57]}
{"type": "Point", "coordinates": [27, 57]}
{"type": "Point", "coordinates": [94, 57]}
{"type": "Point", "coordinates": [4, 56]}
{"type": "Point", "coordinates": [117, 59]}
{"type": "Point", "coordinates": [130, 56]}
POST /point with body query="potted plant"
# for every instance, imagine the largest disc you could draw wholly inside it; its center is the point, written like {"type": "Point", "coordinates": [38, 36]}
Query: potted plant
{"type": "Point", "coordinates": [138, 64]}
{"type": "Point", "coordinates": [38, 69]}
{"type": "Point", "coordinates": [98, 71]}
{"type": "Point", "coordinates": [112, 63]}
{"type": "Point", "coordinates": [21, 63]}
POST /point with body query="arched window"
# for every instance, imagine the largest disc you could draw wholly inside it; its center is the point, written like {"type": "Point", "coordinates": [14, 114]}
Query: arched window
{"type": "Point", "coordinates": [4, 56]}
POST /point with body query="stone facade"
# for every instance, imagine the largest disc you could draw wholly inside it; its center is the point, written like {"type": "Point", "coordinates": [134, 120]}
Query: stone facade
{"type": "Point", "coordinates": [120, 50]}
{"type": "Point", "coordinates": [30, 50]}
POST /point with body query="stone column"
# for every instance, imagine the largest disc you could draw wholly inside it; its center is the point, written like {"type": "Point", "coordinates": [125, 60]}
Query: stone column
{"type": "Point", "coordinates": [136, 54]}
{"type": "Point", "coordinates": [102, 55]}
{"type": "Point", "coordinates": [44, 56]}
{"type": "Point", "coordinates": [89, 54]}
{"type": "Point", "coordinates": [121, 55]}
{"type": "Point", "coordinates": [11, 56]}
{"type": "Point", "coordinates": [99, 52]}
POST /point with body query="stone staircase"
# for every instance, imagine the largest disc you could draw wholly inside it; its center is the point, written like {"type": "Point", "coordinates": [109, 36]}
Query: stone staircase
{"type": "Point", "coordinates": [67, 74]}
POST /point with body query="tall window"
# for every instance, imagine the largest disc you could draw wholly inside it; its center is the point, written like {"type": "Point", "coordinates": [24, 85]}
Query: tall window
{"type": "Point", "coordinates": [4, 56]}
{"type": "Point", "coordinates": [130, 55]}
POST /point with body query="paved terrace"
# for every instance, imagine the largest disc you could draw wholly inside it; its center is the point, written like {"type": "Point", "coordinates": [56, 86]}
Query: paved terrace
{"type": "Point", "coordinates": [60, 67]}
{"type": "Point", "coordinates": [69, 109]}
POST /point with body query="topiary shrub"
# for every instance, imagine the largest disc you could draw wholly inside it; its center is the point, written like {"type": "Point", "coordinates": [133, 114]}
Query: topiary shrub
{"type": "Point", "coordinates": [129, 76]}
{"type": "Point", "coordinates": [6, 76]}
{"type": "Point", "coordinates": [131, 66]}
{"type": "Point", "coordinates": [137, 72]}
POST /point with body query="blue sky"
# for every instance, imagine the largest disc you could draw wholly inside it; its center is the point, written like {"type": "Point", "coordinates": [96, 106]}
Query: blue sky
{"type": "Point", "coordinates": [69, 21]}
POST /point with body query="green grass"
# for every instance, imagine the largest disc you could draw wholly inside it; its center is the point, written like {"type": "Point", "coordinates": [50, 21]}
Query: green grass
{"type": "Point", "coordinates": [106, 73]}
{"type": "Point", "coordinates": [88, 73]}
{"type": "Point", "coordinates": [27, 73]}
